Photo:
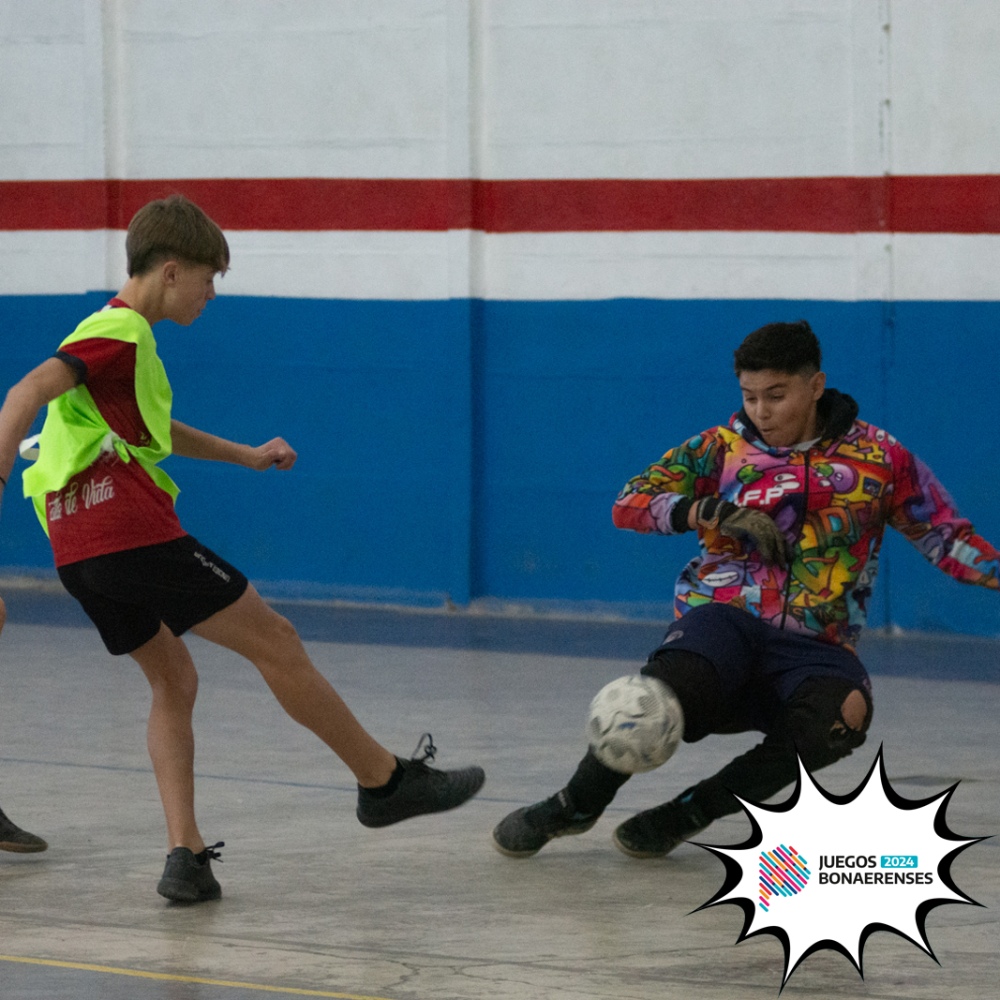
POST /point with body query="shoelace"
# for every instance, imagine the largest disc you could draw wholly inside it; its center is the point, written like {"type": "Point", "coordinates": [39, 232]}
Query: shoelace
{"type": "Point", "coordinates": [427, 745]}
{"type": "Point", "coordinates": [212, 853]}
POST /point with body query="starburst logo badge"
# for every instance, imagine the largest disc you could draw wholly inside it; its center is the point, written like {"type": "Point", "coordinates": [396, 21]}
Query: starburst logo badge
{"type": "Point", "coordinates": [842, 867]}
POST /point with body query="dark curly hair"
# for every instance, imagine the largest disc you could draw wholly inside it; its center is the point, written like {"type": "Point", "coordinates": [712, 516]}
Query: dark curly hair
{"type": "Point", "coordinates": [790, 348]}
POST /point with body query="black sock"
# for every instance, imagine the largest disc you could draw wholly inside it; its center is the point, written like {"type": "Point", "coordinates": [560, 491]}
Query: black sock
{"type": "Point", "coordinates": [384, 791]}
{"type": "Point", "coordinates": [593, 786]}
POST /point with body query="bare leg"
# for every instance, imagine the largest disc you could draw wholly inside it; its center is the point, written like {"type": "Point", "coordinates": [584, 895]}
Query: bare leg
{"type": "Point", "coordinates": [254, 630]}
{"type": "Point", "coordinates": [171, 674]}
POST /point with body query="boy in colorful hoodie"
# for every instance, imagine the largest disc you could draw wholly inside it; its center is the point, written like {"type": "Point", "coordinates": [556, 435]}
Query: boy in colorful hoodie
{"type": "Point", "coordinates": [790, 502]}
{"type": "Point", "coordinates": [121, 551]}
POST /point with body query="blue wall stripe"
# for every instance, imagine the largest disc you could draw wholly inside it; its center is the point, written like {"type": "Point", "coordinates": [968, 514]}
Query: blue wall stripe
{"type": "Point", "coordinates": [454, 450]}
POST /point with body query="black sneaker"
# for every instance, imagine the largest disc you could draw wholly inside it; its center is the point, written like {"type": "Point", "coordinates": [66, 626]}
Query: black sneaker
{"type": "Point", "coordinates": [420, 790]}
{"type": "Point", "coordinates": [188, 877]}
{"type": "Point", "coordinates": [13, 838]}
{"type": "Point", "coordinates": [656, 832]}
{"type": "Point", "coordinates": [526, 831]}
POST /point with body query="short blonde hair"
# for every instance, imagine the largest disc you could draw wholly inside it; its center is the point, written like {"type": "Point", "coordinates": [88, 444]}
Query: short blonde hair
{"type": "Point", "coordinates": [171, 228]}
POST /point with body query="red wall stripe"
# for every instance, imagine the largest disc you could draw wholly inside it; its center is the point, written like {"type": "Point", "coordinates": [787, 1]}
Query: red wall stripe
{"type": "Point", "coordinates": [945, 204]}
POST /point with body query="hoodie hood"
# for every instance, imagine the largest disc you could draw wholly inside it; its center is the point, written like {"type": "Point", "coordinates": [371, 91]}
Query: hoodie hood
{"type": "Point", "coordinates": [836, 412]}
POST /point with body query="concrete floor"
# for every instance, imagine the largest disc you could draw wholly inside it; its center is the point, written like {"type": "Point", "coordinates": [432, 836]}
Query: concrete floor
{"type": "Point", "coordinates": [315, 905]}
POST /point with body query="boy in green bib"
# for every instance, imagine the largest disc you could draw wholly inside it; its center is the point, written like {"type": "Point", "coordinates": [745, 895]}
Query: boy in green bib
{"type": "Point", "coordinates": [120, 549]}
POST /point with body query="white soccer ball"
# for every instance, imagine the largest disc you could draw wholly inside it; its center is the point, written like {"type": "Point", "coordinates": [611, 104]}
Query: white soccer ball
{"type": "Point", "coordinates": [635, 724]}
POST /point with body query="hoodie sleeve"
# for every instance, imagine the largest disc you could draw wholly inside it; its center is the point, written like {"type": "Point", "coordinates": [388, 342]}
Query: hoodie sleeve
{"type": "Point", "coordinates": [689, 470]}
{"type": "Point", "coordinates": [923, 511]}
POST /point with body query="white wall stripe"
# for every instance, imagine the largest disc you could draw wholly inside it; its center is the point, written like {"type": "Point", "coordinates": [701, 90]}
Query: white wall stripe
{"type": "Point", "coordinates": [542, 266]}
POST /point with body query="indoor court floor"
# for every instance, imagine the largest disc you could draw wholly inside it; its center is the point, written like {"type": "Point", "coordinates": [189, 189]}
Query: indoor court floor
{"type": "Point", "coordinates": [315, 905]}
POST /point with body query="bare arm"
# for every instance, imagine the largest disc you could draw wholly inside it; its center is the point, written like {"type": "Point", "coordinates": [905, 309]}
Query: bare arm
{"type": "Point", "coordinates": [193, 443]}
{"type": "Point", "coordinates": [24, 401]}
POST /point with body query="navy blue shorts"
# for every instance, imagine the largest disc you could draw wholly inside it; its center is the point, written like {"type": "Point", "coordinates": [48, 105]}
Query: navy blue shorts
{"type": "Point", "coordinates": [747, 652]}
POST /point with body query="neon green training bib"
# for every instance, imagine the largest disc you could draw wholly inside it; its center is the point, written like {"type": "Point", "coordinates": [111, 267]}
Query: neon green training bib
{"type": "Point", "coordinates": [75, 433]}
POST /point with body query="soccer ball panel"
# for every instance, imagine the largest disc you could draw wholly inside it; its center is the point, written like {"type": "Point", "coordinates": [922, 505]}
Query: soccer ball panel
{"type": "Point", "coordinates": [635, 724]}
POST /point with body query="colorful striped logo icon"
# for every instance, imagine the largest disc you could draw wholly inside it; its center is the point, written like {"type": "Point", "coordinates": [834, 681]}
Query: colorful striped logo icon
{"type": "Point", "coordinates": [783, 872]}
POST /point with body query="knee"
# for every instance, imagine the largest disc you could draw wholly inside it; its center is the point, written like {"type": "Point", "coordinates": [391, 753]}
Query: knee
{"type": "Point", "coordinates": [273, 642]}
{"type": "Point", "coordinates": [176, 683]}
{"type": "Point", "coordinates": [827, 719]}
{"type": "Point", "coordinates": [855, 715]}
{"type": "Point", "coordinates": [278, 632]}
{"type": "Point", "coordinates": [167, 665]}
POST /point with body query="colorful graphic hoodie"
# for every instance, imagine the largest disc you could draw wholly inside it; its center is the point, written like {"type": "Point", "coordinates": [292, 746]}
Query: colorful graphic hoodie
{"type": "Point", "coordinates": [832, 501]}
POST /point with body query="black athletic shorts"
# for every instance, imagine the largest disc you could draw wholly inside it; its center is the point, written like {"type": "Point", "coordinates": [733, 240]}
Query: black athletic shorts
{"type": "Point", "coordinates": [128, 594]}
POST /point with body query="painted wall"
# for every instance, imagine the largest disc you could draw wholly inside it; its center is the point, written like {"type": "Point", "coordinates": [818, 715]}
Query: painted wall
{"type": "Point", "coordinates": [492, 258]}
